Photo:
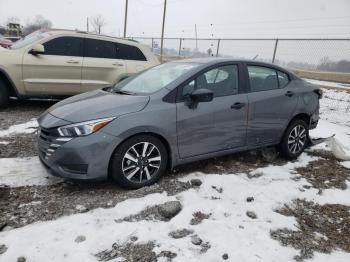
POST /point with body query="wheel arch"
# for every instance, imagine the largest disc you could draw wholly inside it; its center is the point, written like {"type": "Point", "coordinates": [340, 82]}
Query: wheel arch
{"type": "Point", "coordinates": [302, 116]}
{"type": "Point", "coordinates": [7, 80]}
{"type": "Point", "coordinates": [157, 135]}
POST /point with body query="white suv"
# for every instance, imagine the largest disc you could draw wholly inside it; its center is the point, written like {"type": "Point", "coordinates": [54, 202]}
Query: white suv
{"type": "Point", "coordinates": [63, 63]}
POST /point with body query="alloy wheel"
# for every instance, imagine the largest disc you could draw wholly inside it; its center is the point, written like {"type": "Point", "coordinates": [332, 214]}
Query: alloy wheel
{"type": "Point", "coordinates": [297, 139]}
{"type": "Point", "coordinates": [141, 162]}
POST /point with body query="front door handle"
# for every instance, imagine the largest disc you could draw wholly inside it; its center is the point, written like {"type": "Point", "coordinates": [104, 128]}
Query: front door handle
{"type": "Point", "coordinates": [289, 93]}
{"type": "Point", "coordinates": [73, 62]}
{"type": "Point", "coordinates": [238, 105]}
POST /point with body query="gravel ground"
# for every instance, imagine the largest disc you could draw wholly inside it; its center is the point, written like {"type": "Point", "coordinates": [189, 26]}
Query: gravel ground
{"type": "Point", "coordinates": [321, 228]}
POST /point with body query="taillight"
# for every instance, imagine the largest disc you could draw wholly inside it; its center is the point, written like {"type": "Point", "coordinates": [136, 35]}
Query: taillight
{"type": "Point", "coordinates": [319, 92]}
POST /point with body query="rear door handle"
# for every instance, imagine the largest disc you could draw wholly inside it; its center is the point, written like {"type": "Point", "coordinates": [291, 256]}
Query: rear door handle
{"type": "Point", "coordinates": [73, 62]}
{"type": "Point", "coordinates": [289, 93]}
{"type": "Point", "coordinates": [118, 64]}
{"type": "Point", "coordinates": [238, 105]}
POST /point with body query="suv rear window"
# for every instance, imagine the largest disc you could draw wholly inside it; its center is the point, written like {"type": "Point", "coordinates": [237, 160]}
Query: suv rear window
{"type": "Point", "coordinates": [64, 46]}
{"type": "Point", "coordinates": [100, 49]}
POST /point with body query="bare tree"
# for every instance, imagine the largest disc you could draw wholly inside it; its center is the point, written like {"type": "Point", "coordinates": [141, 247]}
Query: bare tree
{"type": "Point", "coordinates": [97, 23]}
{"type": "Point", "coordinates": [39, 22]}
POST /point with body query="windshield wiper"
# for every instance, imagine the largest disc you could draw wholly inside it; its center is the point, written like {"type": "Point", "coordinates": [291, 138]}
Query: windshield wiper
{"type": "Point", "coordinates": [123, 92]}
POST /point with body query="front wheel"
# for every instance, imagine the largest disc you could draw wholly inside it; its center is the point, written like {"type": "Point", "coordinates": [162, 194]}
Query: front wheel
{"type": "Point", "coordinates": [295, 139]}
{"type": "Point", "coordinates": [139, 161]}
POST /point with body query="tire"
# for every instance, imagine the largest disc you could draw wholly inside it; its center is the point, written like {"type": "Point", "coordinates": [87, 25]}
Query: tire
{"type": "Point", "coordinates": [4, 95]}
{"type": "Point", "coordinates": [132, 168]}
{"type": "Point", "coordinates": [295, 139]}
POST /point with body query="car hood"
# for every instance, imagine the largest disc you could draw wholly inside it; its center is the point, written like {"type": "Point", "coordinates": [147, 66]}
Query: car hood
{"type": "Point", "coordinates": [97, 104]}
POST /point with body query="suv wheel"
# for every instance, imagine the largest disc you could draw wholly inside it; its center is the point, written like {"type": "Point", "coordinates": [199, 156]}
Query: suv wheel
{"type": "Point", "coordinates": [295, 139]}
{"type": "Point", "coordinates": [4, 95]}
{"type": "Point", "coordinates": [140, 161]}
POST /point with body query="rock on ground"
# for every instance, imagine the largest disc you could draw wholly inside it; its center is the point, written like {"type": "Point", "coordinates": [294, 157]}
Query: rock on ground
{"type": "Point", "coordinates": [180, 233]}
{"type": "Point", "coordinates": [3, 249]}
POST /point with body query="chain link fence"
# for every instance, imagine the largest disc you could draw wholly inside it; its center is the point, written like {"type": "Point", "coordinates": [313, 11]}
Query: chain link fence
{"type": "Point", "coordinates": [325, 62]}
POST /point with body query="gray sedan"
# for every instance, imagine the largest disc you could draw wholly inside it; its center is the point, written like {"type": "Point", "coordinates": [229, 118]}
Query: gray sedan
{"type": "Point", "coordinates": [177, 113]}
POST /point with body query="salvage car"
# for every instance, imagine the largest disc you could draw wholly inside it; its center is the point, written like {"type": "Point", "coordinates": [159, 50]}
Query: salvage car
{"type": "Point", "coordinates": [61, 63]}
{"type": "Point", "coordinates": [176, 113]}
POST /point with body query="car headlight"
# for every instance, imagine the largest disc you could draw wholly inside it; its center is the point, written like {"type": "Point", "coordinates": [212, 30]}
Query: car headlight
{"type": "Point", "coordinates": [83, 128]}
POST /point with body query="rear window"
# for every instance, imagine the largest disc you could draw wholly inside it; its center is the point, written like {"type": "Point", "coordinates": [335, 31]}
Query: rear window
{"type": "Point", "coordinates": [128, 52]}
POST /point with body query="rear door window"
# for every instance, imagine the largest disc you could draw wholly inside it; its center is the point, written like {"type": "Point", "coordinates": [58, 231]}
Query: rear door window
{"type": "Point", "coordinates": [262, 78]}
{"type": "Point", "coordinates": [283, 79]}
{"type": "Point", "coordinates": [100, 49]}
{"type": "Point", "coordinates": [64, 46]}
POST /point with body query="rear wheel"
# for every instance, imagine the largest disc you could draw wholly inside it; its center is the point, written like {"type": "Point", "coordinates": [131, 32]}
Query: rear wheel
{"type": "Point", "coordinates": [4, 95]}
{"type": "Point", "coordinates": [295, 139]}
{"type": "Point", "coordinates": [140, 161]}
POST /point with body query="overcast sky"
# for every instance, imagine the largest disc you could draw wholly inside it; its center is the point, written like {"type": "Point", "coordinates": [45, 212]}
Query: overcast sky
{"type": "Point", "coordinates": [214, 18]}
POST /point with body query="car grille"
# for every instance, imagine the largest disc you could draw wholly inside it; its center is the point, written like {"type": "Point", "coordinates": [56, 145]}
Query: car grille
{"type": "Point", "coordinates": [49, 142]}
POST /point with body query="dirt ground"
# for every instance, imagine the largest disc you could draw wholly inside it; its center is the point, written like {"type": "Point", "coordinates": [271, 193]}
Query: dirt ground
{"type": "Point", "coordinates": [321, 228]}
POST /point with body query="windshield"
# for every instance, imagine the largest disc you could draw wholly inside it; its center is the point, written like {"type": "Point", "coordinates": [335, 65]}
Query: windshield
{"type": "Point", "coordinates": [29, 39]}
{"type": "Point", "coordinates": [153, 79]}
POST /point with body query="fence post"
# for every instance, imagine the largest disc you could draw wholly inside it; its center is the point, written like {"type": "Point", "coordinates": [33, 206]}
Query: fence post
{"type": "Point", "coordinates": [152, 44]}
{"type": "Point", "coordinates": [274, 51]}
{"type": "Point", "coordinates": [180, 46]}
{"type": "Point", "coordinates": [217, 48]}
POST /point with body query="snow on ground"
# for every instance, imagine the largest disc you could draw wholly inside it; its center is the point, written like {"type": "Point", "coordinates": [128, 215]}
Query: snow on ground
{"type": "Point", "coordinates": [28, 127]}
{"type": "Point", "coordinates": [228, 229]}
{"type": "Point", "coordinates": [29, 171]}
{"type": "Point", "coordinates": [327, 83]}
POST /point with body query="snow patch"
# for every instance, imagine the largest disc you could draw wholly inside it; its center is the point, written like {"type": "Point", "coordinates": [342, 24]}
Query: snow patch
{"type": "Point", "coordinates": [25, 128]}
{"type": "Point", "coordinates": [16, 172]}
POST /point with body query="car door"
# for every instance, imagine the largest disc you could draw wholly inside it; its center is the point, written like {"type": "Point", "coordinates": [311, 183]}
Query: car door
{"type": "Point", "coordinates": [212, 126]}
{"type": "Point", "coordinates": [272, 101]}
{"type": "Point", "coordinates": [58, 70]}
{"type": "Point", "coordinates": [101, 67]}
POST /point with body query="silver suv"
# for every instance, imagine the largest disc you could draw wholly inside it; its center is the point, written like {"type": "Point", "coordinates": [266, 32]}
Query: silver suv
{"type": "Point", "coordinates": [63, 63]}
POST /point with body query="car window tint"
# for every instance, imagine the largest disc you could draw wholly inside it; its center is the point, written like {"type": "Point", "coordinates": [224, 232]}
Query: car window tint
{"type": "Point", "coordinates": [128, 52]}
{"type": "Point", "coordinates": [100, 49]}
{"type": "Point", "coordinates": [262, 78]}
{"type": "Point", "coordinates": [283, 79]}
{"type": "Point", "coordinates": [64, 46]}
{"type": "Point", "coordinates": [223, 81]}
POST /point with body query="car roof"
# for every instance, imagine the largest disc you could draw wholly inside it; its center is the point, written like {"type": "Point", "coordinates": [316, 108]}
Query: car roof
{"type": "Point", "coordinates": [208, 61]}
{"type": "Point", "coordinates": [57, 31]}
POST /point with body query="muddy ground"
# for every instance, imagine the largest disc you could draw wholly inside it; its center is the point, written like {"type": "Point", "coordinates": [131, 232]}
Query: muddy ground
{"type": "Point", "coordinates": [24, 205]}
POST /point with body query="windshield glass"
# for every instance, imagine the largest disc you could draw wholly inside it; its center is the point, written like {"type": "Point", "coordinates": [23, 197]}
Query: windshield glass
{"type": "Point", "coordinates": [153, 79]}
{"type": "Point", "coordinates": [29, 39]}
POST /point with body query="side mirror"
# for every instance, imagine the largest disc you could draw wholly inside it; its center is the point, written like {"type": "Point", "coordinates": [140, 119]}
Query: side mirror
{"type": "Point", "coordinates": [37, 49]}
{"type": "Point", "coordinates": [202, 95]}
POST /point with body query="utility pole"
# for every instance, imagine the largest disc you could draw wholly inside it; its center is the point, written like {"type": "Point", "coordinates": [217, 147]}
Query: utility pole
{"type": "Point", "coordinates": [162, 38]}
{"type": "Point", "coordinates": [87, 24]}
{"type": "Point", "coordinates": [125, 17]}
{"type": "Point", "coordinates": [195, 30]}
